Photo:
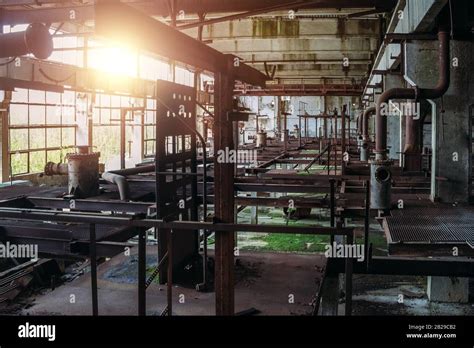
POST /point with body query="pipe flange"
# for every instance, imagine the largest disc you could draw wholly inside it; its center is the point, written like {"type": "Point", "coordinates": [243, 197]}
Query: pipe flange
{"type": "Point", "coordinates": [82, 155]}
{"type": "Point", "coordinates": [383, 174]}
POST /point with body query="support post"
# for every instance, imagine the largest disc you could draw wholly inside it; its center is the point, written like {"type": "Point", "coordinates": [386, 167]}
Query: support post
{"type": "Point", "coordinates": [348, 281]}
{"type": "Point", "coordinates": [93, 258]}
{"type": "Point", "coordinates": [169, 280]}
{"type": "Point", "coordinates": [224, 195]}
{"type": "Point", "coordinates": [141, 272]}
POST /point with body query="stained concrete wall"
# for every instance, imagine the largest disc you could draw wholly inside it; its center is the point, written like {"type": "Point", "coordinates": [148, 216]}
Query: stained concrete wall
{"type": "Point", "coordinates": [393, 121]}
{"type": "Point", "coordinates": [453, 148]}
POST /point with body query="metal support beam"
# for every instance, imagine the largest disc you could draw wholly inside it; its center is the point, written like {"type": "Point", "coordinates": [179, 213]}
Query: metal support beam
{"type": "Point", "coordinates": [224, 195]}
{"type": "Point", "coordinates": [124, 24]}
{"type": "Point", "coordinates": [142, 272]}
{"type": "Point", "coordinates": [93, 259]}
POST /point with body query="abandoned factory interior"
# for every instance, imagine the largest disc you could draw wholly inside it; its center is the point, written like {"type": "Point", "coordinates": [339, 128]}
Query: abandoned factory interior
{"type": "Point", "coordinates": [236, 158]}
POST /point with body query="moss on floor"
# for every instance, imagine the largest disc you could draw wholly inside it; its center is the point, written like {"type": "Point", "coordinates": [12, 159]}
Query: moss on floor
{"type": "Point", "coordinates": [289, 243]}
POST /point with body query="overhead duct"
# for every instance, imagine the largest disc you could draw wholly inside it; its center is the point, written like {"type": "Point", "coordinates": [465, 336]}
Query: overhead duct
{"type": "Point", "coordinates": [35, 40]}
{"type": "Point", "coordinates": [380, 190]}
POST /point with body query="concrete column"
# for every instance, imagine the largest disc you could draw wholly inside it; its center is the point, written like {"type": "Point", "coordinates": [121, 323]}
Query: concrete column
{"type": "Point", "coordinates": [448, 289]}
{"type": "Point", "coordinates": [452, 139]}
{"type": "Point", "coordinates": [453, 148]}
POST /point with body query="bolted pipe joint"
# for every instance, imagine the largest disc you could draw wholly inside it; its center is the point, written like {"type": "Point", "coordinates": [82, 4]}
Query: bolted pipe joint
{"type": "Point", "coordinates": [52, 168]}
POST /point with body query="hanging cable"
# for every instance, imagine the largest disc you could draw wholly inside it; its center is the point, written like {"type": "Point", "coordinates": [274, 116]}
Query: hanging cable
{"type": "Point", "coordinates": [9, 62]}
{"type": "Point", "coordinates": [53, 79]}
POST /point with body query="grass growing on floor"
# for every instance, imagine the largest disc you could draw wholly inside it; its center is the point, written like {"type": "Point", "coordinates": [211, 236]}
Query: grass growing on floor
{"type": "Point", "coordinates": [290, 243]}
{"type": "Point", "coordinates": [379, 243]}
{"type": "Point", "coordinates": [149, 272]}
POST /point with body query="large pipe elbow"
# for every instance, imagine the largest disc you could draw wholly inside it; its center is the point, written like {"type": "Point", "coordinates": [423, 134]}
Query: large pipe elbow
{"type": "Point", "coordinates": [382, 113]}
{"type": "Point", "coordinates": [413, 93]}
{"type": "Point", "coordinates": [36, 40]}
{"type": "Point", "coordinates": [444, 69]}
{"type": "Point", "coordinates": [120, 181]}
{"type": "Point", "coordinates": [365, 122]}
{"type": "Point", "coordinates": [119, 178]}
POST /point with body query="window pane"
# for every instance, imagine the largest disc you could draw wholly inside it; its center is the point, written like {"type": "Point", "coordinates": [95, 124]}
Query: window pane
{"type": "Point", "coordinates": [69, 115]}
{"type": "Point", "coordinates": [96, 116]}
{"type": "Point", "coordinates": [53, 114]}
{"type": "Point", "coordinates": [18, 114]}
{"type": "Point", "coordinates": [53, 137]}
{"type": "Point", "coordinates": [115, 101]}
{"type": "Point", "coordinates": [54, 156]}
{"type": "Point", "coordinates": [37, 115]}
{"type": "Point", "coordinates": [115, 115]}
{"type": "Point", "coordinates": [150, 117]}
{"type": "Point", "coordinates": [37, 138]}
{"type": "Point", "coordinates": [107, 142]}
{"type": "Point", "coordinates": [20, 95]}
{"type": "Point", "coordinates": [37, 96]}
{"type": "Point", "coordinates": [105, 116]}
{"type": "Point", "coordinates": [69, 98]}
{"type": "Point", "coordinates": [150, 132]}
{"type": "Point", "coordinates": [19, 163]}
{"type": "Point", "coordinates": [18, 139]}
{"type": "Point", "coordinates": [104, 100]}
{"type": "Point", "coordinates": [69, 137]}
{"type": "Point", "coordinates": [53, 98]}
{"type": "Point", "coordinates": [150, 148]}
{"type": "Point", "coordinates": [150, 104]}
{"type": "Point", "coordinates": [37, 161]}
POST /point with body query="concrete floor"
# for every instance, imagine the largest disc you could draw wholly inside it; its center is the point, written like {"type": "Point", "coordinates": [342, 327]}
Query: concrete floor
{"type": "Point", "coordinates": [265, 281]}
{"type": "Point", "coordinates": [381, 295]}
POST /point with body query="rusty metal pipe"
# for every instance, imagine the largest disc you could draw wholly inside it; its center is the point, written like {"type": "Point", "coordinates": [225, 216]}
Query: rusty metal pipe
{"type": "Point", "coordinates": [444, 69]}
{"type": "Point", "coordinates": [413, 94]}
{"type": "Point", "coordinates": [381, 120]}
{"type": "Point", "coordinates": [365, 122]}
{"type": "Point", "coordinates": [118, 177]}
{"type": "Point", "coordinates": [359, 124]}
{"type": "Point", "coordinates": [52, 168]}
{"type": "Point", "coordinates": [36, 39]}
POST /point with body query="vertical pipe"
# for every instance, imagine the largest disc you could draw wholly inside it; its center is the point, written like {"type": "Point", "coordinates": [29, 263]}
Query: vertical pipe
{"type": "Point", "coordinates": [343, 129]}
{"type": "Point", "coordinates": [299, 131]}
{"type": "Point", "coordinates": [93, 258]}
{"type": "Point", "coordinates": [332, 205]}
{"type": "Point", "coordinates": [142, 272]}
{"type": "Point", "coordinates": [366, 222]}
{"type": "Point", "coordinates": [123, 116]}
{"type": "Point", "coordinates": [325, 126]}
{"type": "Point", "coordinates": [349, 271]}
{"type": "Point", "coordinates": [329, 158]}
{"type": "Point", "coordinates": [169, 276]}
